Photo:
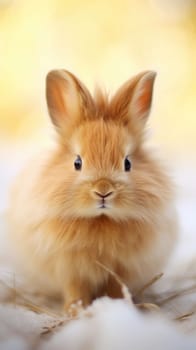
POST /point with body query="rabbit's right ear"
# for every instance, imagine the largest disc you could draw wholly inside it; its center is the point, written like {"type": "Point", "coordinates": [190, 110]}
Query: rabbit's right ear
{"type": "Point", "coordinates": [67, 98]}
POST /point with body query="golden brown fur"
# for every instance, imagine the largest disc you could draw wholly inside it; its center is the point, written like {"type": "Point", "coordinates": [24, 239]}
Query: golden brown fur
{"type": "Point", "coordinates": [57, 225]}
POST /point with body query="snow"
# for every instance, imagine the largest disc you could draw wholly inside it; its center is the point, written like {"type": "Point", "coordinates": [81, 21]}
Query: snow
{"type": "Point", "coordinates": [116, 324]}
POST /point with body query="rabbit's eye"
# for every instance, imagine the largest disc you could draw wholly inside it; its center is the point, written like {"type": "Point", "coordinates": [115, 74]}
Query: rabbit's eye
{"type": "Point", "coordinates": [78, 163]}
{"type": "Point", "coordinates": [127, 164]}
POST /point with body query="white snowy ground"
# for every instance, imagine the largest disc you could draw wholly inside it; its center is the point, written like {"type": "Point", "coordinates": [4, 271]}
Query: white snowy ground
{"type": "Point", "coordinates": [109, 324]}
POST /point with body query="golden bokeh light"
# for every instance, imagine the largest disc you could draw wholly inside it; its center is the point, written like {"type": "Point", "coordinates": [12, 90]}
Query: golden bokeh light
{"type": "Point", "coordinates": [104, 42]}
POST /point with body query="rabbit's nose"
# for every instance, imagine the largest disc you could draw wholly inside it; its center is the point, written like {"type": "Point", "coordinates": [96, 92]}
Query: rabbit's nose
{"type": "Point", "coordinates": [103, 188]}
{"type": "Point", "coordinates": [103, 195]}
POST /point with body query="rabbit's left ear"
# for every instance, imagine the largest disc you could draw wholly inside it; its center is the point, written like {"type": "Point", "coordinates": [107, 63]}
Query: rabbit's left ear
{"type": "Point", "coordinates": [132, 101]}
{"type": "Point", "coordinates": [142, 96]}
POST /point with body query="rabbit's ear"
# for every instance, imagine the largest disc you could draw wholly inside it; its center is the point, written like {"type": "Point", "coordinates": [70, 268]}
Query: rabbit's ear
{"type": "Point", "coordinates": [67, 98]}
{"type": "Point", "coordinates": [142, 96]}
{"type": "Point", "coordinates": [132, 101]}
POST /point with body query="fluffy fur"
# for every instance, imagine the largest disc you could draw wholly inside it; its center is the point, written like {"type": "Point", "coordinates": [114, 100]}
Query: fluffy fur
{"type": "Point", "coordinates": [64, 221]}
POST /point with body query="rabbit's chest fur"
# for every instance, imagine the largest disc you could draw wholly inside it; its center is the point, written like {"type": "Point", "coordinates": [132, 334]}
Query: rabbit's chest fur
{"type": "Point", "coordinates": [75, 249]}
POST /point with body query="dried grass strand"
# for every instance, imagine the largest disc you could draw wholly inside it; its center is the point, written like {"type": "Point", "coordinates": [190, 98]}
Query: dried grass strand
{"type": "Point", "coordinates": [182, 292]}
{"type": "Point", "coordinates": [141, 291]}
{"type": "Point", "coordinates": [125, 290]}
{"type": "Point", "coordinates": [27, 303]}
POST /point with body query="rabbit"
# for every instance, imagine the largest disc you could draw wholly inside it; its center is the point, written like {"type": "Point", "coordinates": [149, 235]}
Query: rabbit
{"type": "Point", "coordinates": [99, 201]}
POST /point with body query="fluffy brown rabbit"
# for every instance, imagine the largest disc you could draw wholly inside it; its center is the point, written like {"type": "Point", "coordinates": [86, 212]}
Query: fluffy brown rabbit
{"type": "Point", "coordinates": [98, 197]}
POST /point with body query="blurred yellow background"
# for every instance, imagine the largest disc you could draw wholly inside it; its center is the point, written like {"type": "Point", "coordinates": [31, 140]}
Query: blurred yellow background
{"type": "Point", "coordinates": [104, 42]}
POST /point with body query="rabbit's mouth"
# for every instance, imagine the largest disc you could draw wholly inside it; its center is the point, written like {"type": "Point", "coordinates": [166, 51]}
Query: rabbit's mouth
{"type": "Point", "coordinates": [103, 204]}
